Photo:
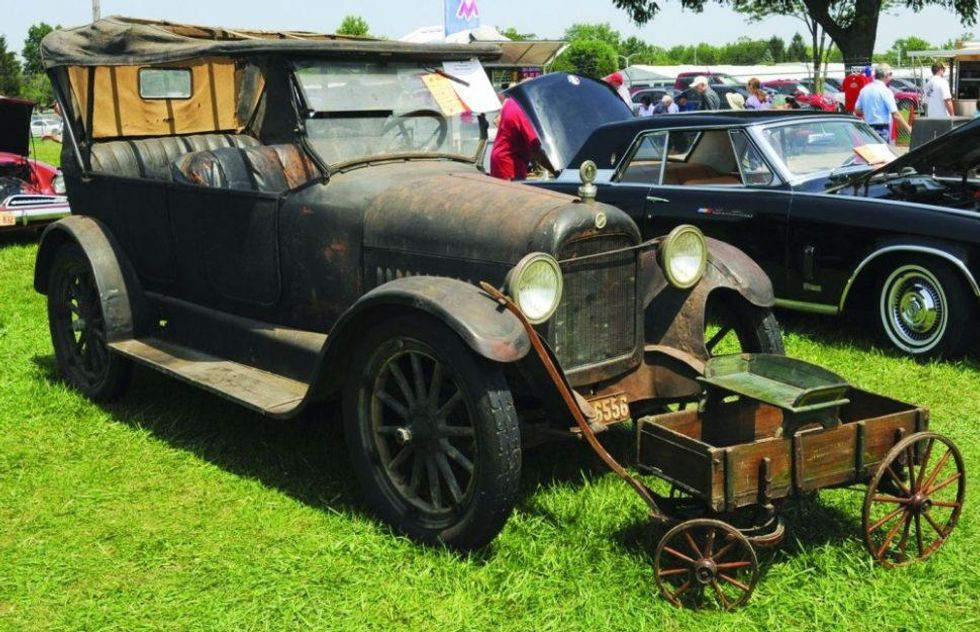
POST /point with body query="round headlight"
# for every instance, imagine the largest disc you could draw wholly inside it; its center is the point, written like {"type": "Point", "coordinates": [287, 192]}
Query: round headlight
{"type": "Point", "coordinates": [684, 256]}
{"type": "Point", "coordinates": [535, 285]}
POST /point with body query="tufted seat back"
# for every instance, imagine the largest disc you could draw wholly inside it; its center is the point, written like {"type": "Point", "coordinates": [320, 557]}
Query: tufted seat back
{"type": "Point", "coordinates": [266, 168]}
{"type": "Point", "coordinates": [151, 157]}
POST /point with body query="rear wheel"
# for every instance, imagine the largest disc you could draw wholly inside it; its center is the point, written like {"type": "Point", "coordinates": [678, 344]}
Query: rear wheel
{"type": "Point", "coordinates": [433, 434]}
{"type": "Point", "coordinates": [925, 308]}
{"type": "Point", "coordinates": [733, 325]}
{"type": "Point", "coordinates": [78, 330]}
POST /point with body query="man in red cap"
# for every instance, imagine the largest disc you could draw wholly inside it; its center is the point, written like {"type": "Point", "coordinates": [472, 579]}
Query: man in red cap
{"type": "Point", "coordinates": [618, 83]}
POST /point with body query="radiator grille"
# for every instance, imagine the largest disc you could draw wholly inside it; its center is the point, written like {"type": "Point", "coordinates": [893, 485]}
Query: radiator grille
{"type": "Point", "coordinates": [596, 320]}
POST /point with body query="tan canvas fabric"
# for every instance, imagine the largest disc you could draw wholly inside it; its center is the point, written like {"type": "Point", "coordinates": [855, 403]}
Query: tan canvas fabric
{"type": "Point", "coordinates": [119, 110]}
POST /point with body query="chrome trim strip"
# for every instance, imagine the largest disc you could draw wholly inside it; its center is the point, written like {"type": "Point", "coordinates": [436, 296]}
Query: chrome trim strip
{"type": "Point", "coordinates": [909, 248]}
{"type": "Point", "coordinates": [802, 306]}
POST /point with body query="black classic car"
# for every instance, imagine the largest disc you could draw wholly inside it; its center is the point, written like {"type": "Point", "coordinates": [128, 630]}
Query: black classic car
{"type": "Point", "coordinates": [799, 193]}
{"type": "Point", "coordinates": [288, 218]}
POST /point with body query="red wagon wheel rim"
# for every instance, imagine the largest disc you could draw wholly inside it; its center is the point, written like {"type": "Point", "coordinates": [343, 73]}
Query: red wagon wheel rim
{"type": "Point", "coordinates": [705, 564]}
{"type": "Point", "coordinates": [914, 499]}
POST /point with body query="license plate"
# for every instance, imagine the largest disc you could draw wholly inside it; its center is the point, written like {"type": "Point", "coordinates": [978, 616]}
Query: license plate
{"type": "Point", "coordinates": [611, 409]}
{"type": "Point", "coordinates": [7, 219]}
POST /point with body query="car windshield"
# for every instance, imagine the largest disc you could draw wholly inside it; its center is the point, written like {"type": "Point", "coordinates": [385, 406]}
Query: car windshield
{"type": "Point", "coordinates": [811, 148]}
{"type": "Point", "coordinates": [368, 109]}
{"type": "Point", "coordinates": [725, 80]}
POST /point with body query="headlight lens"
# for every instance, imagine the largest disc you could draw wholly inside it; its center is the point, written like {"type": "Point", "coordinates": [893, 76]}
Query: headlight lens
{"type": "Point", "coordinates": [684, 256]}
{"type": "Point", "coordinates": [535, 284]}
{"type": "Point", "coordinates": [58, 184]}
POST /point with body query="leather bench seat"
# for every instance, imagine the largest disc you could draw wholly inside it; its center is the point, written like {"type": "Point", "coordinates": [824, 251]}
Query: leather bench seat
{"type": "Point", "coordinates": [152, 157]}
{"type": "Point", "coordinates": [266, 168]}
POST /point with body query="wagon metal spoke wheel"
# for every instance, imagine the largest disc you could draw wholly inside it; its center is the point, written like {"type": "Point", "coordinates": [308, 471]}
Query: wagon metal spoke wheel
{"type": "Point", "coordinates": [706, 563]}
{"type": "Point", "coordinates": [914, 499]}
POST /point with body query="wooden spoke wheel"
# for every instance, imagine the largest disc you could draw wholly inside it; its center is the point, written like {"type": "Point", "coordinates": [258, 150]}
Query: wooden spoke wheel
{"type": "Point", "coordinates": [706, 563]}
{"type": "Point", "coordinates": [914, 499]}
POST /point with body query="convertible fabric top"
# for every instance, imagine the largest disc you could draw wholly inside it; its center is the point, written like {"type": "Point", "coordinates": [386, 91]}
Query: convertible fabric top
{"type": "Point", "coordinates": [122, 41]}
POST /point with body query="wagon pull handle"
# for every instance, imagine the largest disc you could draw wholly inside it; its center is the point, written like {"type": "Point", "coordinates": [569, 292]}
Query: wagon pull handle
{"type": "Point", "coordinates": [568, 396]}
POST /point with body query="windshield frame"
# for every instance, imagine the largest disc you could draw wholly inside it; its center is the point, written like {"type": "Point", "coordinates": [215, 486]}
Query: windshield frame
{"type": "Point", "coordinates": [306, 112]}
{"type": "Point", "coordinates": [789, 176]}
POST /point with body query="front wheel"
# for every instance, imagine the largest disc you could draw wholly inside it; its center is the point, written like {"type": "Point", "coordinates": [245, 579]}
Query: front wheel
{"type": "Point", "coordinates": [925, 308]}
{"type": "Point", "coordinates": [733, 325]}
{"type": "Point", "coordinates": [432, 433]}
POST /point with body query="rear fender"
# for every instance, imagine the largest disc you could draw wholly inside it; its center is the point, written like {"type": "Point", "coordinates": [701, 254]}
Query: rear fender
{"type": "Point", "coordinates": [118, 286]}
{"type": "Point", "coordinates": [475, 317]}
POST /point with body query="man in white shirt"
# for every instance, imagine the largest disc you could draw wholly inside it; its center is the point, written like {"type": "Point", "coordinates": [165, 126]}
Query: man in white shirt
{"type": "Point", "coordinates": [876, 104]}
{"type": "Point", "coordinates": [939, 100]}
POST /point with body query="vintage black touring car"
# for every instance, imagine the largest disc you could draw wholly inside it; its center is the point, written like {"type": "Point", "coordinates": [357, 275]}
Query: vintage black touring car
{"type": "Point", "coordinates": [287, 218]}
{"type": "Point", "coordinates": [799, 193]}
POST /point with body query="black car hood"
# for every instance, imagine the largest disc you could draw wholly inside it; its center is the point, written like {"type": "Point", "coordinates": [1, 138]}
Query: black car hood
{"type": "Point", "coordinates": [957, 151]}
{"type": "Point", "coordinates": [565, 110]}
{"type": "Point", "coordinates": [15, 125]}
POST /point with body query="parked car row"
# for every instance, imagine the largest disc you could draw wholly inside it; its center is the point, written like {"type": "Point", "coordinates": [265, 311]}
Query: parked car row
{"type": "Point", "coordinates": [800, 193]}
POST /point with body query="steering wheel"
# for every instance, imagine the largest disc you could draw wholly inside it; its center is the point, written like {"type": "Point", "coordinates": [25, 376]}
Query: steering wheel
{"type": "Point", "coordinates": [403, 137]}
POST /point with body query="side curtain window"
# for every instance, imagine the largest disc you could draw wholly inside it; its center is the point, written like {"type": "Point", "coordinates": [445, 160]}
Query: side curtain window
{"type": "Point", "coordinates": [754, 169]}
{"type": "Point", "coordinates": [645, 164]}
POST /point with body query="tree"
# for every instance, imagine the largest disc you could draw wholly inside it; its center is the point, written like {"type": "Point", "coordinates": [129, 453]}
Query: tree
{"type": "Point", "coordinates": [602, 32]}
{"type": "Point", "coordinates": [589, 58]}
{"type": "Point", "coordinates": [851, 24]}
{"type": "Point", "coordinates": [797, 49]}
{"type": "Point", "coordinates": [353, 25]}
{"type": "Point", "coordinates": [32, 48]}
{"type": "Point", "coordinates": [10, 77]}
{"type": "Point", "coordinates": [513, 34]}
{"type": "Point", "coordinates": [777, 49]}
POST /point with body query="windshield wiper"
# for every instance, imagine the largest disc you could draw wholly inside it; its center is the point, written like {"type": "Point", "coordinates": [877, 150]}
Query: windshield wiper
{"type": "Point", "coordinates": [445, 74]}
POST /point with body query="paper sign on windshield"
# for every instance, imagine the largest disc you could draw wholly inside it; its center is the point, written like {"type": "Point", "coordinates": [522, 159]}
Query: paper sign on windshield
{"type": "Point", "coordinates": [442, 91]}
{"type": "Point", "coordinates": [477, 92]}
{"type": "Point", "coordinates": [875, 154]}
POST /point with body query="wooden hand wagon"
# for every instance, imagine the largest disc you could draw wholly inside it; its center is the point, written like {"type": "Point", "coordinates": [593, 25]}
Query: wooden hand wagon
{"type": "Point", "coordinates": [769, 428]}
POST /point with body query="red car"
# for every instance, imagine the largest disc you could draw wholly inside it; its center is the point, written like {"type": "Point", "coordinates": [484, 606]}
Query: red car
{"type": "Point", "coordinates": [905, 99]}
{"type": "Point", "coordinates": [31, 191]}
{"type": "Point", "coordinates": [802, 94]}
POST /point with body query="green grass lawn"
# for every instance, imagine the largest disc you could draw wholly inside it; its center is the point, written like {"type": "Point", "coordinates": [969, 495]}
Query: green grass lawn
{"type": "Point", "coordinates": [46, 151]}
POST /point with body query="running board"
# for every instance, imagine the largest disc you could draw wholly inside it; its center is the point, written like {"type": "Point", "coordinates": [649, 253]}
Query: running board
{"type": "Point", "coordinates": [265, 392]}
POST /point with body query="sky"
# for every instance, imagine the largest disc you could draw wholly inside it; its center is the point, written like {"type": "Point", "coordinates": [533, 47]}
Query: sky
{"type": "Point", "coordinates": [394, 18]}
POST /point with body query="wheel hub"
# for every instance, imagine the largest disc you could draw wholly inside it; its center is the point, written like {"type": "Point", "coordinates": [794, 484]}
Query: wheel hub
{"type": "Point", "coordinates": [705, 571]}
{"type": "Point", "coordinates": [918, 309]}
{"type": "Point", "coordinates": [920, 503]}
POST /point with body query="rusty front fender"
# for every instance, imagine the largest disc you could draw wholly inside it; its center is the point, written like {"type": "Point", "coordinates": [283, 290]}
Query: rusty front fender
{"type": "Point", "coordinates": [486, 327]}
{"type": "Point", "coordinates": [676, 318]}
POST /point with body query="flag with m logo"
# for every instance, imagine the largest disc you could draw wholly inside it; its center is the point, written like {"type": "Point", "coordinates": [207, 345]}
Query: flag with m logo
{"type": "Point", "coordinates": [461, 15]}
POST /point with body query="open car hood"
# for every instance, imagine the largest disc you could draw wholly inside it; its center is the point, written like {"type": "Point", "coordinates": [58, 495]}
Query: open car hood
{"type": "Point", "coordinates": [565, 110]}
{"type": "Point", "coordinates": [955, 152]}
{"type": "Point", "coordinates": [15, 125]}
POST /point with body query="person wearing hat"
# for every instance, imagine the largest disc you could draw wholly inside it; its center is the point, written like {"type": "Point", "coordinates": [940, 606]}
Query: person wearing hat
{"type": "Point", "coordinates": [939, 98]}
{"type": "Point", "coordinates": [618, 83]}
{"type": "Point", "coordinates": [709, 98]}
{"type": "Point", "coordinates": [666, 106]}
{"type": "Point", "coordinates": [876, 104]}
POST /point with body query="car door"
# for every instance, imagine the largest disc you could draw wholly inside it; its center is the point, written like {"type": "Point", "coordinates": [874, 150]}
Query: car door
{"type": "Point", "coordinates": [719, 181]}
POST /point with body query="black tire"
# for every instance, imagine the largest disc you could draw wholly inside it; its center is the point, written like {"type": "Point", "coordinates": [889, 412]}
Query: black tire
{"type": "Point", "coordinates": [78, 330]}
{"type": "Point", "coordinates": [396, 428]}
{"type": "Point", "coordinates": [925, 307]}
{"type": "Point", "coordinates": [733, 325]}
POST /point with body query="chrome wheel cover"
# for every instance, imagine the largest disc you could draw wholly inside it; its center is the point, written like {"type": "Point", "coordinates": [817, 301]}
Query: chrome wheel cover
{"type": "Point", "coordinates": [914, 309]}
